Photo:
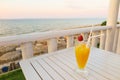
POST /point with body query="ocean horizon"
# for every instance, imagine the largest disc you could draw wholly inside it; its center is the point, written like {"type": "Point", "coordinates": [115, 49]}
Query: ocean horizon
{"type": "Point", "coordinates": [23, 26]}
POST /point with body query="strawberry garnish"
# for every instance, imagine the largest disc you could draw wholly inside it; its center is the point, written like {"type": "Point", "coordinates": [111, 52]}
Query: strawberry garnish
{"type": "Point", "coordinates": [80, 38]}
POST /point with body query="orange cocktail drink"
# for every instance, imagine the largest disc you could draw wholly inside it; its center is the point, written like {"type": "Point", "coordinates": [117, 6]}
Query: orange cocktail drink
{"type": "Point", "coordinates": [82, 54]}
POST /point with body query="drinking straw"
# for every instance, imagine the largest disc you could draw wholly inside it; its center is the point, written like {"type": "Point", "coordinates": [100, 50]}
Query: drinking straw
{"type": "Point", "coordinates": [88, 42]}
{"type": "Point", "coordinates": [97, 36]}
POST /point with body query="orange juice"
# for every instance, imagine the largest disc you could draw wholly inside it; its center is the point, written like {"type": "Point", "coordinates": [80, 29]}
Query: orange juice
{"type": "Point", "coordinates": [82, 53]}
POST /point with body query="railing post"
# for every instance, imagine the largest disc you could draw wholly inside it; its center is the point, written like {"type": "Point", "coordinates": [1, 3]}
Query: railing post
{"type": "Point", "coordinates": [94, 40]}
{"type": "Point", "coordinates": [52, 45]}
{"type": "Point", "coordinates": [102, 39]}
{"type": "Point", "coordinates": [115, 40]}
{"type": "Point", "coordinates": [118, 44]}
{"type": "Point", "coordinates": [27, 50]}
{"type": "Point", "coordinates": [85, 36]}
{"type": "Point", "coordinates": [111, 21]}
{"type": "Point", "coordinates": [70, 41]}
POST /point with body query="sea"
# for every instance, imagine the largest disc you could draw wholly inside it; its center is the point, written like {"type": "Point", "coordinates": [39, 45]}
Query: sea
{"type": "Point", "coordinates": [10, 27]}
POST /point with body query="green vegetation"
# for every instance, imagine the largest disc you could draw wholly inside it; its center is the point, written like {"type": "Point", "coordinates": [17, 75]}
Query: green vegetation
{"type": "Point", "coordinates": [105, 22]}
{"type": "Point", "coordinates": [98, 45]}
{"type": "Point", "coordinates": [13, 75]}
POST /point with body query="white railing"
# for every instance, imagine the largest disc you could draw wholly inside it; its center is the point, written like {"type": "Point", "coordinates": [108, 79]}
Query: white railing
{"type": "Point", "coordinates": [18, 39]}
{"type": "Point", "coordinates": [25, 40]}
{"type": "Point", "coordinates": [116, 46]}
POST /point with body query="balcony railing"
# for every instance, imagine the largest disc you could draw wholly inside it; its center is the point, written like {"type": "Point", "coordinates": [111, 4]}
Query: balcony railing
{"type": "Point", "coordinates": [25, 40]}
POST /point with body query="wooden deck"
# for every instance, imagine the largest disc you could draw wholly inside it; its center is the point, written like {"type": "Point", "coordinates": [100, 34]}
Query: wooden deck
{"type": "Point", "coordinates": [61, 65]}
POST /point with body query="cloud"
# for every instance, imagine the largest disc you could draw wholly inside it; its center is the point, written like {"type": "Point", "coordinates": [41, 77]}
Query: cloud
{"type": "Point", "coordinates": [87, 4]}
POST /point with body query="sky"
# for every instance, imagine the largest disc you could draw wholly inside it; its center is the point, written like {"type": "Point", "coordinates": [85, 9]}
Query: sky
{"type": "Point", "coordinates": [10, 9]}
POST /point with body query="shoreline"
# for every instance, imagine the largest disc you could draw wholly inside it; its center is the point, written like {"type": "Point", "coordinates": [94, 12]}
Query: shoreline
{"type": "Point", "coordinates": [8, 34]}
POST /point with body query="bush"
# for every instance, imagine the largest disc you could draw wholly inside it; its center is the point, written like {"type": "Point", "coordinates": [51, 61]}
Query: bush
{"type": "Point", "coordinates": [105, 22]}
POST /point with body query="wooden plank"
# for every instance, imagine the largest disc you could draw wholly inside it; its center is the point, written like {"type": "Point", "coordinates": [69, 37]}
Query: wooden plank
{"type": "Point", "coordinates": [44, 75]}
{"type": "Point", "coordinates": [29, 72]}
{"type": "Point", "coordinates": [50, 70]}
{"type": "Point", "coordinates": [59, 70]}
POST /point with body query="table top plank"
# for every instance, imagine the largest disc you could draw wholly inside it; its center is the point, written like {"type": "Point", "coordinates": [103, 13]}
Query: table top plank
{"type": "Point", "coordinates": [44, 75]}
{"type": "Point", "coordinates": [60, 70]}
{"type": "Point", "coordinates": [55, 75]}
{"type": "Point", "coordinates": [112, 57]}
{"type": "Point", "coordinates": [104, 61]}
{"type": "Point", "coordinates": [29, 72]}
{"type": "Point", "coordinates": [106, 67]}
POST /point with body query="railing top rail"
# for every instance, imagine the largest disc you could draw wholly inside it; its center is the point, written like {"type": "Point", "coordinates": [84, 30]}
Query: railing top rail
{"type": "Point", "coordinates": [19, 39]}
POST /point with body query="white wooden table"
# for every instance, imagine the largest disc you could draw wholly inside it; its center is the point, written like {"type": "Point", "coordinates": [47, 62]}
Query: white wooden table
{"type": "Point", "coordinates": [61, 65]}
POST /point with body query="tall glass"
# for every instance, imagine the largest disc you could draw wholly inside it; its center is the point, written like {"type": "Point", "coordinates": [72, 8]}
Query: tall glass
{"type": "Point", "coordinates": [82, 53]}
